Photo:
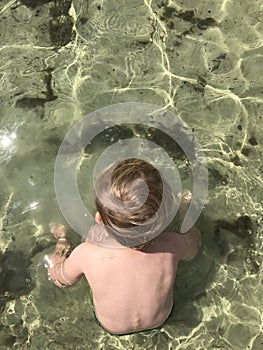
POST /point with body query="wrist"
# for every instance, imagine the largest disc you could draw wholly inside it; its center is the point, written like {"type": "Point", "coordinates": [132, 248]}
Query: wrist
{"type": "Point", "coordinates": [55, 271]}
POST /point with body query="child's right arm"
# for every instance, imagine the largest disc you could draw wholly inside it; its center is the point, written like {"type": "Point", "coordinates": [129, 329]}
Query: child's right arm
{"type": "Point", "coordinates": [64, 268]}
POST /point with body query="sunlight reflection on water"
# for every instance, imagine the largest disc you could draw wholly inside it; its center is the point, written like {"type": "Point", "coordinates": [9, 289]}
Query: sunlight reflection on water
{"type": "Point", "coordinates": [63, 60]}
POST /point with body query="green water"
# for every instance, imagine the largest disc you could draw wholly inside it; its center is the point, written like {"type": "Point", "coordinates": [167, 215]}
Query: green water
{"type": "Point", "coordinates": [59, 61]}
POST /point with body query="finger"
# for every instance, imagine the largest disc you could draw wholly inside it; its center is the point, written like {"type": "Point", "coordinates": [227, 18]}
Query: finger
{"type": "Point", "coordinates": [186, 197]}
{"type": "Point", "coordinates": [62, 249]}
{"type": "Point", "coordinates": [53, 227]}
{"type": "Point", "coordinates": [62, 245]}
{"type": "Point", "coordinates": [58, 230]}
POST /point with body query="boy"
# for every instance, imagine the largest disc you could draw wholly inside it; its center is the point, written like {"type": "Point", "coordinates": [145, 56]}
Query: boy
{"type": "Point", "coordinates": [132, 287]}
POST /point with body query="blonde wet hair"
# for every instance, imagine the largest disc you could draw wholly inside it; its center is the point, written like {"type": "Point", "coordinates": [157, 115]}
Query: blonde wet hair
{"type": "Point", "coordinates": [122, 204]}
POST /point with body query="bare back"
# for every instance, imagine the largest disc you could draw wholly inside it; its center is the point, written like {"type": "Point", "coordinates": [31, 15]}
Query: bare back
{"type": "Point", "coordinates": [132, 289]}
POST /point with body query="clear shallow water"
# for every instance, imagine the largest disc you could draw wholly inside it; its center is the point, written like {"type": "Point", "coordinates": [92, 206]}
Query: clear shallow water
{"type": "Point", "coordinates": [60, 61]}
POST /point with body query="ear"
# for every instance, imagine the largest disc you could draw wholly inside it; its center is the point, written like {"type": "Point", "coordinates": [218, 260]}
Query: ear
{"type": "Point", "coordinates": [98, 218]}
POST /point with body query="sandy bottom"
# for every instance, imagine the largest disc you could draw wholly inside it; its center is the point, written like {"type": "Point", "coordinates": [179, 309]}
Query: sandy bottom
{"type": "Point", "coordinates": [60, 61]}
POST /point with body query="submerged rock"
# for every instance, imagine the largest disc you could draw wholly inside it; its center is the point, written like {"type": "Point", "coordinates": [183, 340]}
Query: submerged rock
{"type": "Point", "coordinates": [241, 227]}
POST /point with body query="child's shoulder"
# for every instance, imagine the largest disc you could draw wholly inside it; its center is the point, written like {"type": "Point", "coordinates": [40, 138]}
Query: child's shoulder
{"type": "Point", "coordinates": [82, 248]}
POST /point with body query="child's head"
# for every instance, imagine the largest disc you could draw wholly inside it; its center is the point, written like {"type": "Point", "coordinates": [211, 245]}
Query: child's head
{"type": "Point", "coordinates": [129, 198]}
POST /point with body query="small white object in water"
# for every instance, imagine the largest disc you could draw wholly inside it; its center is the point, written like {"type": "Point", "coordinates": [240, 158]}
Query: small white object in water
{"type": "Point", "coordinates": [34, 205]}
{"type": "Point", "coordinates": [31, 206]}
{"type": "Point", "coordinates": [31, 181]}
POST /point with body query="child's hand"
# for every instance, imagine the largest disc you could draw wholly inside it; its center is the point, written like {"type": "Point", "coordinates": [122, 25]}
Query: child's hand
{"type": "Point", "coordinates": [61, 252]}
{"type": "Point", "coordinates": [58, 230]}
{"type": "Point", "coordinates": [62, 248]}
{"type": "Point", "coordinates": [185, 199]}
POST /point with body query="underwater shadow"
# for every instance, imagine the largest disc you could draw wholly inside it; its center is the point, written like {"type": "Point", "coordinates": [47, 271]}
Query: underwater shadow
{"type": "Point", "coordinates": [224, 243]}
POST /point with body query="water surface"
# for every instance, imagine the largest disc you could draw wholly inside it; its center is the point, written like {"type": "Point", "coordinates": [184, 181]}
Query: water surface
{"type": "Point", "coordinates": [59, 61]}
